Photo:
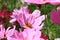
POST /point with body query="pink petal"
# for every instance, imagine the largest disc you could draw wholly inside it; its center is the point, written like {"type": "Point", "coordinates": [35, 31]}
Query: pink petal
{"type": "Point", "coordinates": [13, 20]}
{"type": "Point", "coordinates": [36, 1]}
{"type": "Point", "coordinates": [54, 15]}
{"type": "Point", "coordinates": [28, 34]}
{"type": "Point", "coordinates": [1, 34]}
{"type": "Point", "coordinates": [39, 20]}
{"type": "Point", "coordinates": [38, 27]}
{"type": "Point", "coordinates": [2, 28]}
{"type": "Point", "coordinates": [36, 13]}
{"type": "Point", "coordinates": [58, 8]}
{"type": "Point", "coordinates": [54, 2]}
{"type": "Point", "coordinates": [31, 19]}
{"type": "Point", "coordinates": [24, 9]}
{"type": "Point", "coordinates": [21, 19]}
{"type": "Point", "coordinates": [10, 32]}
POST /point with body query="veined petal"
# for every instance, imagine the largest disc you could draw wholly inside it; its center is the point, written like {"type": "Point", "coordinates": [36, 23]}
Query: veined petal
{"type": "Point", "coordinates": [39, 20]}
{"type": "Point", "coordinates": [36, 27]}
{"type": "Point", "coordinates": [10, 32]}
{"type": "Point", "coordinates": [2, 29]}
{"type": "Point", "coordinates": [41, 26]}
{"type": "Point", "coordinates": [1, 34]}
{"type": "Point", "coordinates": [21, 19]}
{"type": "Point", "coordinates": [24, 9]}
{"type": "Point", "coordinates": [36, 13]}
{"type": "Point", "coordinates": [36, 1]}
{"type": "Point", "coordinates": [31, 19]}
{"type": "Point", "coordinates": [13, 20]}
{"type": "Point", "coordinates": [29, 33]}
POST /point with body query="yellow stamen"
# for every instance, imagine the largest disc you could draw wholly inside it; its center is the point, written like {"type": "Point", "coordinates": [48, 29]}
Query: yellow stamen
{"type": "Point", "coordinates": [24, 39]}
{"type": "Point", "coordinates": [4, 33]}
{"type": "Point", "coordinates": [44, 0]}
{"type": "Point", "coordinates": [28, 24]}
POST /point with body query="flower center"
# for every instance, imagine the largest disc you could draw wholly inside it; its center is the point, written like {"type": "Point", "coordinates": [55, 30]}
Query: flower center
{"type": "Point", "coordinates": [44, 0]}
{"type": "Point", "coordinates": [28, 24]}
{"type": "Point", "coordinates": [4, 34]}
{"type": "Point", "coordinates": [24, 39]}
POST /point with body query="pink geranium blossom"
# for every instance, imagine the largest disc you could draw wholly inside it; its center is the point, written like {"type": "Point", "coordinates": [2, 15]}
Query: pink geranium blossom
{"type": "Point", "coordinates": [54, 15]}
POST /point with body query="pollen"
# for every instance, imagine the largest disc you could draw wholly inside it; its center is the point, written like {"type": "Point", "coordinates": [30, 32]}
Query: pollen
{"type": "Point", "coordinates": [24, 38]}
{"type": "Point", "coordinates": [28, 24]}
{"type": "Point", "coordinates": [4, 34]}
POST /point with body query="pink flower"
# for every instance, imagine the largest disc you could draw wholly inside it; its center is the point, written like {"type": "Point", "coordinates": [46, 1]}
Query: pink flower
{"type": "Point", "coordinates": [28, 20]}
{"type": "Point", "coordinates": [4, 34]}
{"type": "Point", "coordinates": [37, 1]}
{"type": "Point", "coordinates": [23, 9]}
{"type": "Point", "coordinates": [54, 16]}
{"type": "Point", "coordinates": [31, 21]}
{"type": "Point", "coordinates": [16, 36]}
{"type": "Point", "coordinates": [54, 2]}
{"type": "Point", "coordinates": [12, 34]}
{"type": "Point", "coordinates": [31, 34]}
{"type": "Point", "coordinates": [27, 34]}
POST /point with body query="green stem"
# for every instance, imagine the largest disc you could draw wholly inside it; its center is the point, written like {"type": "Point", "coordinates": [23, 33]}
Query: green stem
{"type": "Point", "coordinates": [46, 24]}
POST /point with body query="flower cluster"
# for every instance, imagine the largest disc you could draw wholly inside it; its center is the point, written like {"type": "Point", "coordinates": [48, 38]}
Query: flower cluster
{"type": "Point", "coordinates": [31, 22]}
{"type": "Point", "coordinates": [54, 15]}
